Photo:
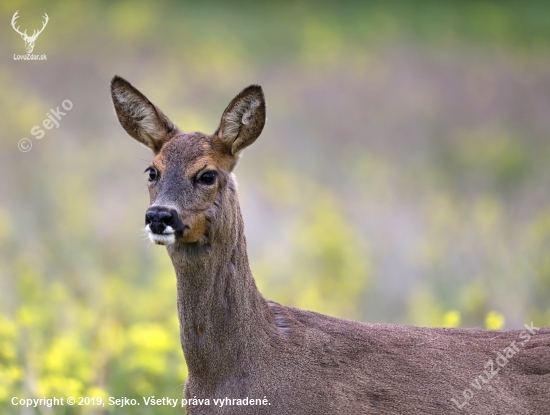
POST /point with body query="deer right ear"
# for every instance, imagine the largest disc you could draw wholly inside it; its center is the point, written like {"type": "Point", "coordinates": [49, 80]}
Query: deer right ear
{"type": "Point", "coordinates": [243, 120]}
{"type": "Point", "coordinates": [139, 116]}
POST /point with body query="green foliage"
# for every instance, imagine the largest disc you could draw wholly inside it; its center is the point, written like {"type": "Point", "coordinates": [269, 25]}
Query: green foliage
{"type": "Point", "coordinates": [58, 346]}
{"type": "Point", "coordinates": [328, 266]}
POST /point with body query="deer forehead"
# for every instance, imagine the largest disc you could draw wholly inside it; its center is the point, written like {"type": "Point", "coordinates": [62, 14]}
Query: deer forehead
{"type": "Point", "coordinates": [193, 152]}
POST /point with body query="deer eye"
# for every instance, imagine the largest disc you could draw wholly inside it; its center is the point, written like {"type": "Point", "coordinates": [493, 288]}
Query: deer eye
{"type": "Point", "coordinates": [153, 173]}
{"type": "Point", "coordinates": [208, 177]}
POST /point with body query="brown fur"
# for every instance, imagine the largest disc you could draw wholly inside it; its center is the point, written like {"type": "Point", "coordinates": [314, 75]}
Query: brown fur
{"type": "Point", "coordinates": [237, 344]}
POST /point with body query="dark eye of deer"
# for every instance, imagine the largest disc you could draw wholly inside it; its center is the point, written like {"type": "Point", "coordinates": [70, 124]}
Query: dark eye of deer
{"type": "Point", "coordinates": [208, 177]}
{"type": "Point", "coordinates": [153, 173]}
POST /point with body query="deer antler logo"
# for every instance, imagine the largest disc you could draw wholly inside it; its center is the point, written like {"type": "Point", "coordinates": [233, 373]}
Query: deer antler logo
{"type": "Point", "coordinates": [29, 40]}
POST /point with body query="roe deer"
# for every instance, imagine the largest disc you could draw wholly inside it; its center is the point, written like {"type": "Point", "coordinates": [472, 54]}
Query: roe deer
{"type": "Point", "coordinates": [239, 345]}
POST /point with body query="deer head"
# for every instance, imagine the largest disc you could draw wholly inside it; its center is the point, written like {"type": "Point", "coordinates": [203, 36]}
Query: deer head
{"type": "Point", "coordinates": [191, 186]}
{"type": "Point", "coordinates": [29, 40]}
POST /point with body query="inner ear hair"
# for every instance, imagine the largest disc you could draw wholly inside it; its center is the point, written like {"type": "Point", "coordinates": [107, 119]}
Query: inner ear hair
{"type": "Point", "coordinates": [141, 119]}
{"type": "Point", "coordinates": [243, 120]}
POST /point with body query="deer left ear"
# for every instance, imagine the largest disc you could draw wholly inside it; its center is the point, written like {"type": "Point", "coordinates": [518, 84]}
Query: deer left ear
{"type": "Point", "coordinates": [243, 120]}
{"type": "Point", "coordinates": [140, 117]}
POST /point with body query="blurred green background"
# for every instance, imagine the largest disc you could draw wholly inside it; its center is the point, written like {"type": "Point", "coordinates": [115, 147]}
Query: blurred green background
{"type": "Point", "coordinates": [402, 176]}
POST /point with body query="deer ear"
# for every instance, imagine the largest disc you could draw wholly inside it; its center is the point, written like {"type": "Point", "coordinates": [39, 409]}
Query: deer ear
{"type": "Point", "coordinates": [139, 116]}
{"type": "Point", "coordinates": [243, 120]}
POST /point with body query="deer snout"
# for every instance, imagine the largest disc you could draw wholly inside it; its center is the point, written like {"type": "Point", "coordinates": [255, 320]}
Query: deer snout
{"type": "Point", "coordinates": [160, 220]}
{"type": "Point", "coordinates": [165, 226]}
{"type": "Point", "coordinates": [162, 224]}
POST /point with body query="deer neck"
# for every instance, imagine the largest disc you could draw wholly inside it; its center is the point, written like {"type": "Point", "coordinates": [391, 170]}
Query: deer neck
{"type": "Point", "coordinates": [221, 312]}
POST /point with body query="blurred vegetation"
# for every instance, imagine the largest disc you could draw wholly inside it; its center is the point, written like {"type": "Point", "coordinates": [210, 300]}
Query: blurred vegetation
{"type": "Point", "coordinates": [402, 176]}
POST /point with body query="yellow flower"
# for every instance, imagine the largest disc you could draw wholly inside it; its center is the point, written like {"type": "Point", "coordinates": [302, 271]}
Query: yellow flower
{"type": "Point", "coordinates": [451, 318]}
{"type": "Point", "coordinates": [494, 321]}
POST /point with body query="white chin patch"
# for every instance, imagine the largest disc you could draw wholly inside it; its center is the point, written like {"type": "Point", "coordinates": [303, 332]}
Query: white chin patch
{"type": "Point", "coordinates": [167, 238]}
{"type": "Point", "coordinates": [162, 239]}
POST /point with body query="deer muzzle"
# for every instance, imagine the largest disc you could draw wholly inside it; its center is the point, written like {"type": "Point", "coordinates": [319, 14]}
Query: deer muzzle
{"type": "Point", "coordinates": [165, 227]}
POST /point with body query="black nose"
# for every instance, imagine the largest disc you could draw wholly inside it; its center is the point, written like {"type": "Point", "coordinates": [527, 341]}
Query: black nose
{"type": "Point", "coordinates": [158, 218]}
